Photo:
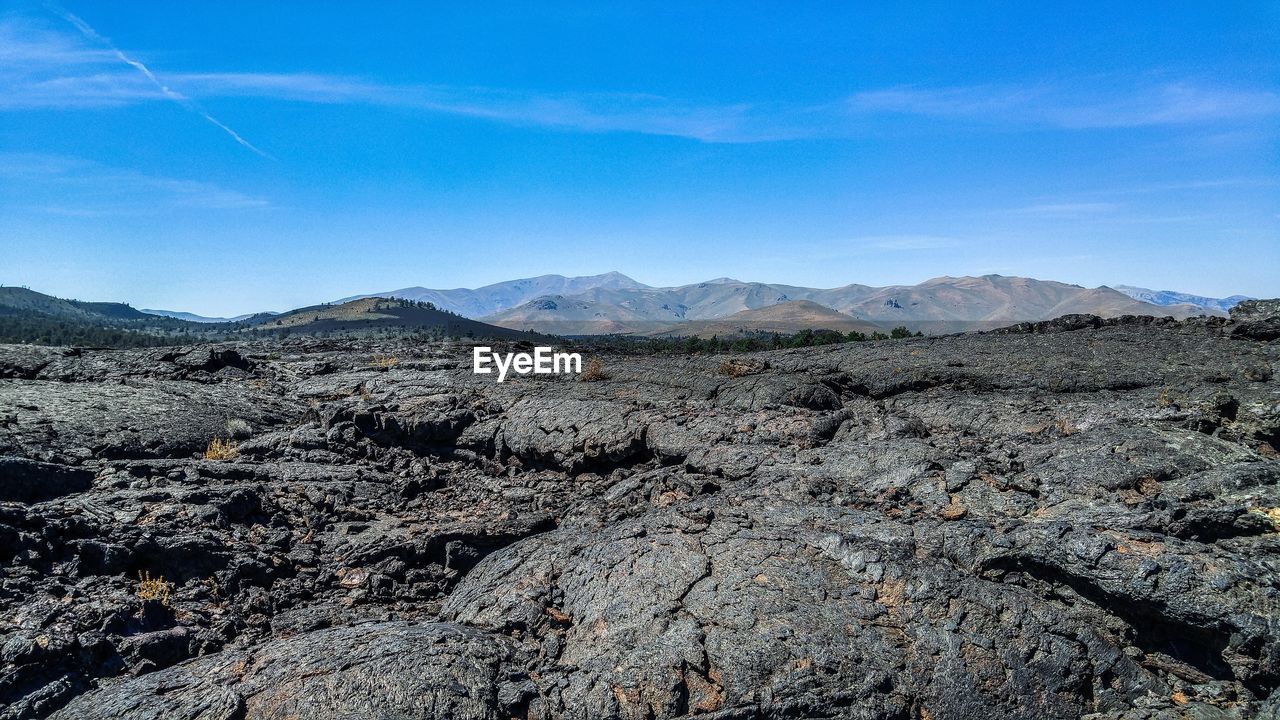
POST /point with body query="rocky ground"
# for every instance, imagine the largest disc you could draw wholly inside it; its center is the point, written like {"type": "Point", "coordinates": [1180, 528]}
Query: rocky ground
{"type": "Point", "coordinates": [1073, 518]}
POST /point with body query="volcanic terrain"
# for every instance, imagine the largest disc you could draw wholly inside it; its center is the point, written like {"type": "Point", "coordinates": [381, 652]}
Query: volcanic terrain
{"type": "Point", "coordinates": [1067, 518]}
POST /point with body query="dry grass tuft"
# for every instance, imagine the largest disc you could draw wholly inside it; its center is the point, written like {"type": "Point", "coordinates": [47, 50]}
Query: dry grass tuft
{"type": "Point", "coordinates": [150, 588]}
{"type": "Point", "coordinates": [594, 371]}
{"type": "Point", "coordinates": [1258, 373]}
{"type": "Point", "coordinates": [739, 368]}
{"type": "Point", "coordinates": [220, 449]}
{"type": "Point", "coordinates": [1272, 514]}
{"type": "Point", "coordinates": [385, 361]}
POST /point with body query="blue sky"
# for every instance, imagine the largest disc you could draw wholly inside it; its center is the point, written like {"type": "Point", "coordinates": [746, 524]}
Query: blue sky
{"type": "Point", "coordinates": [231, 157]}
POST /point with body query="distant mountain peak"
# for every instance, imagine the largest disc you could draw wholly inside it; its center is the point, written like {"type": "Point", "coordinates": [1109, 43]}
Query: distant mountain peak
{"type": "Point", "coordinates": [496, 297]}
{"type": "Point", "coordinates": [192, 317]}
{"type": "Point", "coordinates": [1172, 297]}
{"type": "Point", "coordinates": [942, 304]}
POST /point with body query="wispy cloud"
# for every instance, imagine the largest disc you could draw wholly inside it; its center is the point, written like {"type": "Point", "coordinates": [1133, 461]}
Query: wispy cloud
{"type": "Point", "coordinates": [1066, 209]}
{"type": "Point", "coordinates": [31, 46]}
{"type": "Point", "coordinates": [1188, 186]}
{"type": "Point", "coordinates": [64, 185]}
{"type": "Point", "coordinates": [590, 112]}
{"type": "Point", "coordinates": [53, 49]}
{"type": "Point", "coordinates": [1101, 214]}
{"type": "Point", "coordinates": [41, 68]}
{"type": "Point", "coordinates": [1079, 108]}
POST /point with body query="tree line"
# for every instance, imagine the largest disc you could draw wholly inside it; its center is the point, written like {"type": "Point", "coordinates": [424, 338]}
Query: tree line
{"type": "Point", "coordinates": [738, 343]}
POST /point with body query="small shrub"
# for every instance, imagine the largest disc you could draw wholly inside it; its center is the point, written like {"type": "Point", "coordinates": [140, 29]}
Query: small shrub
{"type": "Point", "coordinates": [900, 332]}
{"type": "Point", "coordinates": [1065, 427]}
{"type": "Point", "coordinates": [220, 449]}
{"type": "Point", "coordinates": [239, 429]}
{"type": "Point", "coordinates": [739, 368]}
{"type": "Point", "coordinates": [593, 372]}
{"type": "Point", "coordinates": [1258, 373]}
{"type": "Point", "coordinates": [150, 588]}
{"type": "Point", "coordinates": [385, 362]}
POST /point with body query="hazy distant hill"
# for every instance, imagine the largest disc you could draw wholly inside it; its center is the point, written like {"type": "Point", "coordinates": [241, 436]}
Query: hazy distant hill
{"type": "Point", "coordinates": [604, 304]}
{"type": "Point", "coordinates": [784, 319]}
{"type": "Point", "coordinates": [945, 304]}
{"type": "Point", "coordinates": [951, 304]}
{"type": "Point", "coordinates": [606, 310]}
{"type": "Point", "coordinates": [490, 299]}
{"type": "Point", "coordinates": [192, 317]}
{"type": "Point", "coordinates": [27, 316]}
{"type": "Point", "coordinates": [1170, 297]}
{"type": "Point", "coordinates": [582, 315]}
{"type": "Point", "coordinates": [17, 299]}
{"type": "Point", "coordinates": [375, 314]}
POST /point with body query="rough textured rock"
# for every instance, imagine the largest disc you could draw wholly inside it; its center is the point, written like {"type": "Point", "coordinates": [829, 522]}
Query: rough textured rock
{"type": "Point", "coordinates": [1257, 319]}
{"type": "Point", "coordinates": [30, 481]}
{"type": "Point", "coordinates": [385, 670]}
{"type": "Point", "coordinates": [1070, 518]}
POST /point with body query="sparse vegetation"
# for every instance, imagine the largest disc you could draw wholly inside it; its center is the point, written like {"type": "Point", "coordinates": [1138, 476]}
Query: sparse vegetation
{"type": "Point", "coordinates": [221, 449]}
{"type": "Point", "coordinates": [594, 371]}
{"type": "Point", "coordinates": [39, 329]}
{"type": "Point", "coordinates": [238, 429]}
{"type": "Point", "coordinates": [385, 362]}
{"type": "Point", "coordinates": [153, 589]}
{"type": "Point", "coordinates": [738, 368]}
{"type": "Point", "coordinates": [1272, 514]}
{"type": "Point", "coordinates": [1258, 373]}
{"type": "Point", "coordinates": [627, 345]}
{"type": "Point", "coordinates": [28, 317]}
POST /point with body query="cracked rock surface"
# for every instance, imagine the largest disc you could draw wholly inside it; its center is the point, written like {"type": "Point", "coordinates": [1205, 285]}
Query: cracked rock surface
{"type": "Point", "coordinates": [1056, 520]}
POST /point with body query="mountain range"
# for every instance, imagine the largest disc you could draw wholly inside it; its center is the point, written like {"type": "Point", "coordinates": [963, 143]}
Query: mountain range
{"type": "Point", "coordinates": [27, 316]}
{"type": "Point", "coordinates": [483, 301]}
{"type": "Point", "coordinates": [615, 303]}
{"type": "Point", "coordinates": [377, 313]}
{"type": "Point", "coordinates": [1171, 297]}
{"type": "Point", "coordinates": [192, 317]}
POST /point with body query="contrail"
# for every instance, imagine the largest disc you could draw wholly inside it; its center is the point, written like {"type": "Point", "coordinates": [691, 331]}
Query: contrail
{"type": "Point", "coordinates": [177, 97]}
